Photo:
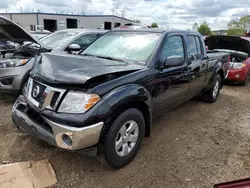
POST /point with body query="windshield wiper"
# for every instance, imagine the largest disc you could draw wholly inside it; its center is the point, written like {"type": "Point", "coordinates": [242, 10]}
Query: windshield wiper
{"type": "Point", "coordinates": [87, 54]}
{"type": "Point", "coordinates": [110, 58]}
{"type": "Point", "coordinates": [104, 57]}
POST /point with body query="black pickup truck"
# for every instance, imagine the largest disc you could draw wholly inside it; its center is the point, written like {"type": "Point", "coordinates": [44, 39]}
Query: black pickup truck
{"type": "Point", "coordinates": [104, 99]}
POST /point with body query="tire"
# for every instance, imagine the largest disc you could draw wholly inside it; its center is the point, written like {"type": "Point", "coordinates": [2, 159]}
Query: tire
{"type": "Point", "coordinates": [109, 154]}
{"type": "Point", "coordinates": [245, 82]}
{"type": "Point", "coordinates": [211, 96]}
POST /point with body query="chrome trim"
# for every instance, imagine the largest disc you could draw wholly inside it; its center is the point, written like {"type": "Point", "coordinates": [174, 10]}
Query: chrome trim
{"type": "Point", "coordinates": [81, 137]}
{"type": "Point", "coordinates": [49, 95]}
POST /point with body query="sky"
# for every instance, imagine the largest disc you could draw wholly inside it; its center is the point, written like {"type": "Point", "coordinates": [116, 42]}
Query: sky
{"type": "Point", "coordinates": [173, 14]}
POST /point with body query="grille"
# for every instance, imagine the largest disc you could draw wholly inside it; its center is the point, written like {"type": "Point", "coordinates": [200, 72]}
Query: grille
{"type": "Point", "coordinates": [7, 81]}
{"type": "Point", "coordinates": [43, 96]}
{"type": "Point", "coordinates": [39, 98]}
{"type": "Point", "coordinates": [54, 99]}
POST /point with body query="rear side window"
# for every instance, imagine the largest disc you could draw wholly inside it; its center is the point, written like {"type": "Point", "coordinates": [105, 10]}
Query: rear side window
{"type": "Point", "coordinates": [199, 54]}
{"type": "Point", "coordinates": [173, 46]}
{"type": "Point", "coordinates": [194, 47]}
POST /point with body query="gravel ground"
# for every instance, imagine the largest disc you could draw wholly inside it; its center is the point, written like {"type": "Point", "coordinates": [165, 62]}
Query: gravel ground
{"type": "Point", "coordinates": [195, 145]}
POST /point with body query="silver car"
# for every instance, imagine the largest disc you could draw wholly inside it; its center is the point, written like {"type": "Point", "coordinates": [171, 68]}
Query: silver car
{"type": "Point", "coordinates": [16, 64]}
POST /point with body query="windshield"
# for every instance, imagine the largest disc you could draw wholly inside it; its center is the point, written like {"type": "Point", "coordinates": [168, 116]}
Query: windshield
{"type": "Point", "coordinates": [136, 46]}
{"type": "Point", "coordinates": [39, 35]}
{"type": "Point", "coordinates": [58, 38]}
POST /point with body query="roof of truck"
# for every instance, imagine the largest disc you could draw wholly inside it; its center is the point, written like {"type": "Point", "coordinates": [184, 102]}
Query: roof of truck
{"type": "Point", "coordinates": [156, 30]}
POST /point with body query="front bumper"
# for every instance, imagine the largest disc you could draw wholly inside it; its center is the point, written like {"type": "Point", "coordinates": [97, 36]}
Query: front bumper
{"type": "Point", "coordinates": [59, 135]}
{"type": "Point", "coordinates": [237, 75]}
{"type": "Point", "coordinates": [13, 78]}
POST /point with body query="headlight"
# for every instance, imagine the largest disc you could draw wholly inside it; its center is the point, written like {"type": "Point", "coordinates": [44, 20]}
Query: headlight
{"type": "Point", "coordinates": [237, 65]}
{"type": "Point", "coordinates": [13, 63]}
{"type": "Point", "coordinates": [77, 102]}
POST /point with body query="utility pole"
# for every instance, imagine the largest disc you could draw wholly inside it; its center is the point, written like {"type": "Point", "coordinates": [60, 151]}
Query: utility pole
{"type": "Point", "coordinates": [123, 12]}
{"type": "Point", "coordinates": [21, 9]}
{"type": "Point", "coordinates": [113, 10]}
{"type": "Point", "coordinates": [82, 10]}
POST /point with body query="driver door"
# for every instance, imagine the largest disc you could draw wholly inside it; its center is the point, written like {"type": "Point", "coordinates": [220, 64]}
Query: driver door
{"type": "Point", "coordinates": [172, 82]}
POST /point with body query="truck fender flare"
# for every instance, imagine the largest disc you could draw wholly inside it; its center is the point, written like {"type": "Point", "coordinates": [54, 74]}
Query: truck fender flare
{"type": "Point", "coordinates": [217, 70]}
{"type": "Point", "coordinates": [125, 97]}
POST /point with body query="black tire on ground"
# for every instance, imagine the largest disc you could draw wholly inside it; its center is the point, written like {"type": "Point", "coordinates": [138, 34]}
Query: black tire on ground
{"type": "Point", "coordinates": [209, 95]}
{"type": "Point", "coordinates": [245, 82]}
{"type": "Point", "coordinates": [108, 154]}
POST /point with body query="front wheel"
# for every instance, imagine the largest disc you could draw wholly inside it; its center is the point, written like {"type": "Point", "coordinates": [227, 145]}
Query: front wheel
{"type": "Point", "coordinates": [124, 139]}
{"type": "Point", "coordinates": [212, 94]}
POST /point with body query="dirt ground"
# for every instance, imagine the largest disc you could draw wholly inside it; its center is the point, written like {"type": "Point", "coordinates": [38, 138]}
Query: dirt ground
{"type": "Point", "coordinates": [195, 145]}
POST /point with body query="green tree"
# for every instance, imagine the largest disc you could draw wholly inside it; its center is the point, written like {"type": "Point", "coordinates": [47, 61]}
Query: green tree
{"type": "Point", "coordinates": [233, 24]}
{"type": "Point", "coordinates": [236, 32]}
{"type": "Point", "coordinates": [238, 27]}
{"type": "Point", "coordinates": [154, 25]}
{"type": "Point", "coordinates": [204, 29]}
{"type": "Point", "coordinates": [244, 22]}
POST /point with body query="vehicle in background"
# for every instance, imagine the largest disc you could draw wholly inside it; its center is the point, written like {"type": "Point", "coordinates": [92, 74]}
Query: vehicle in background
{"type": "Point", "coordinates": [104, 99]}
{"type": "Point", "coordinates": [40, 34]}
{"type": "Point", "coordinates": [239, 50]}
{"type": "Point", "coordinates": [17, 63]}
{"type": "Point", "coordinates": [134, 26]}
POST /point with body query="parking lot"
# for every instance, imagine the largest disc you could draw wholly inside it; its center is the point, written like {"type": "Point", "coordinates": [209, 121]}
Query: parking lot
{"type": "Point", "coordinates": [194, 145]}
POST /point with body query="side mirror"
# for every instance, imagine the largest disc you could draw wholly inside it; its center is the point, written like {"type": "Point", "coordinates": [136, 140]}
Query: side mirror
{"type": "Point", "coordinates": [173, 61]}
{"type": "Point", "coordinates": [74, 47]}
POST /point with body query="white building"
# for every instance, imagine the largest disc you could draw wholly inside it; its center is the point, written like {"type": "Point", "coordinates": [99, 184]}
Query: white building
{"type": "Point", "coordinates": [53, 22]}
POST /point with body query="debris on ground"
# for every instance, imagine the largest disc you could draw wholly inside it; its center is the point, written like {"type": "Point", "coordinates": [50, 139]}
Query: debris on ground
{"type": "Point", "coordinates": [29, 174]}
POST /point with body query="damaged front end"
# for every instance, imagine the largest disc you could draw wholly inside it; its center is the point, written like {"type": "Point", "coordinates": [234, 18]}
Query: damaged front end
{"type": "Point", "coordinates": [57, 105]}
{"type": "Point", "coordinates": [79, 71]}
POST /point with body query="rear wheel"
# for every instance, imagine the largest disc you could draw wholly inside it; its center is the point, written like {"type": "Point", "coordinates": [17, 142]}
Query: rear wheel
{"type": "Point", "coordinates": [124, 139]}
{"type": "Point", "coordinates": [212, 94]}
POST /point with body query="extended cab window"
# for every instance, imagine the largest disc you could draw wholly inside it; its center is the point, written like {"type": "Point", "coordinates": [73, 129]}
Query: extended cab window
{"type": "Point", "coordinates": [173, 46]}
{"type": "Point", "coordinates": [194, 47]}
{"type": "Point", "coordinates": [86, 40]}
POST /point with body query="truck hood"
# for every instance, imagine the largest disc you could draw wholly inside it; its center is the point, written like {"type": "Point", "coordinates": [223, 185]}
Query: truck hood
{"type": "Point", "coordinates": [78, 70]}
{"type": "Point", "coordinates": [241, 44]}
{"type": "Point", "coordinates": [15, 33]}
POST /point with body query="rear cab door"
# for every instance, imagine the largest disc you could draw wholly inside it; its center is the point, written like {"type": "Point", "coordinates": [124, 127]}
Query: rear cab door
{"type": "Point", "coordinates": [197, 63]}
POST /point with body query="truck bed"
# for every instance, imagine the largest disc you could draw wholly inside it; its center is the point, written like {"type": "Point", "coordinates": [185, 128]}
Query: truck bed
{"type": "Point", "coordinates": [213, 54]}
